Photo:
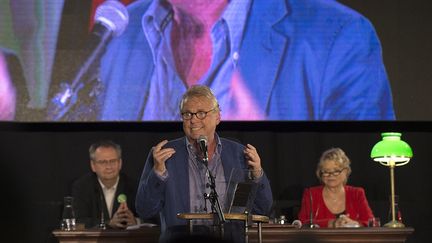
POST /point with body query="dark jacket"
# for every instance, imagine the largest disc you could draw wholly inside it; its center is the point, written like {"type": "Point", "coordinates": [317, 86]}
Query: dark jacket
{"type": "Point", "coordinates": [88, 198]}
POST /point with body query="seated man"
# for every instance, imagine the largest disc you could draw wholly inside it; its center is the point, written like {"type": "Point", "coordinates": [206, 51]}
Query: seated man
{"type": "Point", "coordinates": [96, 193]}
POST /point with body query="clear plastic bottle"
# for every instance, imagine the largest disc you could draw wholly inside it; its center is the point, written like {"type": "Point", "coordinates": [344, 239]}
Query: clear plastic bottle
{"type": "Point", "coordinates": [68, 215]}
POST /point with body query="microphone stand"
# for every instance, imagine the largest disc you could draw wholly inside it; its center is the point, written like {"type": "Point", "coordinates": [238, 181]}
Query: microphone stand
{"type": "Point", "coordinates": [311, 223]}
{"type": "Point", "coordinates": [69, 95]}
{"type": "Point", "coordinates": [214, 199]}
{"type": "Point", "coordinates": [102, 224]}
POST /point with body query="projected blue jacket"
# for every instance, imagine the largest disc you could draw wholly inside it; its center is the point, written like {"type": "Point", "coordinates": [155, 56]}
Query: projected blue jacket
{"type": "Point", "coordinates": [299, 60]}
{"type": "Point", "coordinates": [167, 198]}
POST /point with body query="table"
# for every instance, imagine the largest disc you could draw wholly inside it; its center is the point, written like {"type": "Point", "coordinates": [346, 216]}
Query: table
{"type": "Point", "coordinates": [140, 235]}
{"type": "Point", "coordinates": [286, 233]}
{"type": "Point", "coordinates": [271, 233]}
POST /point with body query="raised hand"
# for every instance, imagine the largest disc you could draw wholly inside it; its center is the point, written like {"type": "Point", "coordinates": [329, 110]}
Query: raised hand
{"type": "Point", "coordinates": [160, 155]}
{"type": "Point", "coordinates": [253, 160]}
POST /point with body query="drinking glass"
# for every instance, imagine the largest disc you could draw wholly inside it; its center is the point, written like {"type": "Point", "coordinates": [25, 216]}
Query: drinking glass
{"type": "Point", "coordinates": [374, 222]}
{"type": "Point", "coordinates": [68, 216]}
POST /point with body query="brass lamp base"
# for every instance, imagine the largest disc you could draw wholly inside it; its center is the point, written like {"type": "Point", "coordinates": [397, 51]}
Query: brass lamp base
{"type": "Point", "coordinates": [394, 224]}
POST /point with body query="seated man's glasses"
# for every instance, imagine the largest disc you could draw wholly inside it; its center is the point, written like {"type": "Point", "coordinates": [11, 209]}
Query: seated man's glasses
{"type": "Point", "coordinates": [106, 162]}
{"type": "Point", "coordinates": [200, 114]}
{"type": "Point", "coordinates": [331, 173]}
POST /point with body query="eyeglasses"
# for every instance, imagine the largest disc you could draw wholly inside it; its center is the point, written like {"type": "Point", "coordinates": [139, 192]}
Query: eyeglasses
{"type": "Point", "coordinates": [331, 173]}
{"type": "Point", "coordinates": [200, 114]}
{"type": "Point", "coordinates": [106, 162]}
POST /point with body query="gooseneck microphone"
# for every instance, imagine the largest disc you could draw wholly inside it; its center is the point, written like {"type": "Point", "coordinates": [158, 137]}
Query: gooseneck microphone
{"type": "Point", "coordinates": [311, 209]}
{"type": "Point", "coordinates": [111, 19]}
{"type": "Point", "coordinates": [102, 224]}
{"type": "Point", "coordinates": [202, 143]}
{"type": "Point", "coordinates": [311, 216]}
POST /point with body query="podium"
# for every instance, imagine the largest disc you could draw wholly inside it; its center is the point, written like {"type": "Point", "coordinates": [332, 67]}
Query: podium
{"type": "Point", "coordinates": [248, 220]}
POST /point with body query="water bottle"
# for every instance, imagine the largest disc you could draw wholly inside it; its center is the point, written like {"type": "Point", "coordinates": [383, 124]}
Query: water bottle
{"type": "Point", "coordinates": [68, 216]}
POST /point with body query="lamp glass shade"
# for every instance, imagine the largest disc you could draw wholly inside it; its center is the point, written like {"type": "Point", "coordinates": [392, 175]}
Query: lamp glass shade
{"type": "Point", "coordinates": [391, 149]}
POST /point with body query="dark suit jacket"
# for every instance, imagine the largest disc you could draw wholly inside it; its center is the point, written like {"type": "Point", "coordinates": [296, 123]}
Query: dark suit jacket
{"type": "Point", "coordinates": [88, 197]}
{"type": "Point", "coordinates": [170, 197]}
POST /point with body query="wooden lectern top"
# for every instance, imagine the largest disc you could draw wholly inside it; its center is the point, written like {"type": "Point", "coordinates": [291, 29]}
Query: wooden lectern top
{"type": "Point", "coordinates": [228, 216]}
{"type": "Point", "coordinates": [246, 218]}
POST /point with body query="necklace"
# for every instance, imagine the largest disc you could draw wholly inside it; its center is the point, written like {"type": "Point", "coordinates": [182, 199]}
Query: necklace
{"type": "Point", "coordinates": [332, 199]}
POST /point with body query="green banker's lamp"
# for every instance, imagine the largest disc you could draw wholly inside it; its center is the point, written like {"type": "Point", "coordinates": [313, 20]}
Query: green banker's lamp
{"type": "Point", "coordinates": [391, 151]}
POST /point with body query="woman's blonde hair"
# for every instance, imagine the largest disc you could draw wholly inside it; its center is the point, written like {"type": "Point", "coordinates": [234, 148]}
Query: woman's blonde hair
{"type": "Point", "coordinates": [336, 155]}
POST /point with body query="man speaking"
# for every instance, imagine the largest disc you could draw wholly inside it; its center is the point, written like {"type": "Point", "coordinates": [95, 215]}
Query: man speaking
{"type": "Point", "coordinates": [175, 179]}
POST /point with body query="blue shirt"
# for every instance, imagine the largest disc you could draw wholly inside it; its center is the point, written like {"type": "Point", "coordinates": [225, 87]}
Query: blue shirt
{"type": "Point", "coordinates": [282, 60]}
{"type": "Point", "coordinates": [166, 87]}
{"type": "Point", "coordinates": [198, 179]}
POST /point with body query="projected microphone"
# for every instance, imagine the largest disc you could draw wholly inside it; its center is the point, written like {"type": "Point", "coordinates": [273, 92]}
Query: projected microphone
{"type": "Point", "coordinates": [202, 143]}
{"type": "Point", "coordinates": [111, 19]}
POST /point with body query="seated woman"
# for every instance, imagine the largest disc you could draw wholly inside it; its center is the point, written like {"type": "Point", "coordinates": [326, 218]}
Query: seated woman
{"type": "Point", "coordinates": [334, 204]}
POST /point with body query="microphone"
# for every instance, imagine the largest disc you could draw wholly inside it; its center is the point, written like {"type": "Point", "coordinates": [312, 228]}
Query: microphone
{"type": "Point", "coordinates": [202, 143]}
{"type": "Point", "coordinates": [311, 218]}
{"type": "Point", "coordinates": [111, 19]}
{"type": "Point", "coordinates": [311, 209]}
{"type": "Point", "coordinates": [102, 224]}
{"type": "Point", "coordinates": [121, 198]}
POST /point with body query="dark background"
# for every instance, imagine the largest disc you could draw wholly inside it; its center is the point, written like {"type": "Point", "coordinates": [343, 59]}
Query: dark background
{"type": "Point", "coordinates": [40, 160]}
{"type": "Point", "coordinates": [404, 28]}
